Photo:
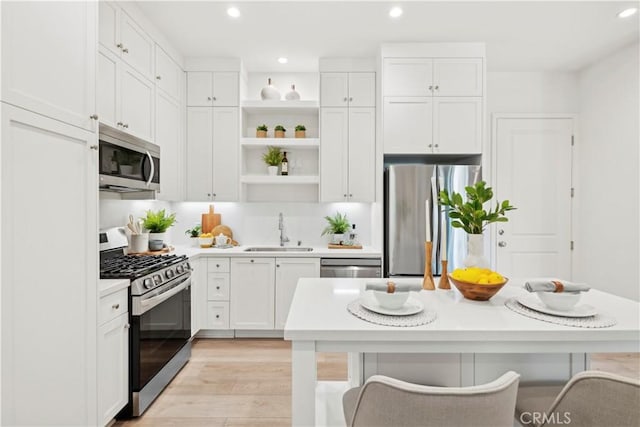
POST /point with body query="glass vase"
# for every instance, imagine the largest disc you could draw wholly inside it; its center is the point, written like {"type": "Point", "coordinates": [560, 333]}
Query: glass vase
{"type": "Point", "coordinates": [475, 252]}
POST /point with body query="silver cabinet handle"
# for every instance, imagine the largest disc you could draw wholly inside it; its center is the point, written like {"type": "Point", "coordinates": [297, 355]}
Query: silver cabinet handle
{"type": "Point", "coordinates": [345, 99]}
{"type": "Point", "coordinates": [158, 77]}
{"type": "Point", "coordinates": [119, 46]}
{"type": "Point", "coordinates": [214, 194]}
{"type": "Point", "coordinates": [126, 125]}
{"type": "Point", "coordinates": [218, 287]}
{"type": "Point", "coordinates": [502, 244]}
{"type": "Point", "coordinates": [430, 145]}
{"type": "Point", "coordinates": [217, 265]}
{"type": "Point", "coordinates": [125, 50]}
{"type": "Point", "coordinates": [93, 147]}
{"type": "Point", "coordinates": [501, 232]}
{"type": "Point", "coordinates": [119, 124]}
{"type": "Point", "coordinates": [437, 87]}
{"type": "Point", "coordinates": [436, 145]}
{"type": "Point", "coordinates": [127, 326]}
{"type": "Point", "coordinates": [344, 195]}
{"type": "Point", "coordinates": [153, 169]}
{"type": "Point", "coordinates": [215, 99]}
{"type": "Point", "coordinates": [350, 99]}
{"type": "Point", "coordinates": [115, 306]}
{"type": "Point", "coordinates": [252, 261]}
{"type": "Point", "coordinates": [208, 98]}
{"type": "Point", "coordinates": [217, 316]}
{"type": "Point", "coordinates": [350, 195]}
{"type": "Point", "coordinates": [93, 117]}
{"type": "Point", "coordinates": [208, 194]}
{"type": "Point", "coordinates": [278, 265]}
{"type": "Point", "coordinates": [431, 88]}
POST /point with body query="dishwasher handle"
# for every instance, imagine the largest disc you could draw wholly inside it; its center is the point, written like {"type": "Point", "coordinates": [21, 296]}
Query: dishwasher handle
{"type": "Point", "coordinates": [348, 262]}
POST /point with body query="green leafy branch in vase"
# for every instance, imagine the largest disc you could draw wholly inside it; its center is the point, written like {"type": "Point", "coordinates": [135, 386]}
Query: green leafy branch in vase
{"type": "Point", "coordinates": [470, 215]}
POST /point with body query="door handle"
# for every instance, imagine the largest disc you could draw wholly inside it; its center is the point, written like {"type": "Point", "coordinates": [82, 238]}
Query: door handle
{"type": "Point", "coordinates": [502, 244]}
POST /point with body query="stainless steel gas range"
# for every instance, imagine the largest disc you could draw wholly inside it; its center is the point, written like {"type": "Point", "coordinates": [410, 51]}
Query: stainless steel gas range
{"type": "Point", "coordinates": [159, 314]}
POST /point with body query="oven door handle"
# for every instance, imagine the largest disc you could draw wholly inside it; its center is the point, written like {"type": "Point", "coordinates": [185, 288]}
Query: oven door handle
{"type": "Point", "coordinates": [148, 304]}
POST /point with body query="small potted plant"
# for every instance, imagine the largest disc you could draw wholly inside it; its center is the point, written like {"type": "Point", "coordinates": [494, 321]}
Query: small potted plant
{"type": "Point", "coordinates": [273, 158]}
{"type": "Point", "coordinates": [338, 225]}
{"type": "Point", "coordinates": [261, 131]}
{"type": "Point", "coordinates": [158, 223]}
{"type": "Point", "coordinates": [194, 233]}
{"type": "Point", "coordinates": [300, 131]}
{"type": "Point", "coordinates": [279, 131]}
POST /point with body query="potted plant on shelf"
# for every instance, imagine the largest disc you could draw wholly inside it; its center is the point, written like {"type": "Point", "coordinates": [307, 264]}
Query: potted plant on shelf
{"type": "Point", "coordinates": [273, 158]}
{"type": "Point", "coordinates": [300, 131]}
{"type": "Point", "coordinates": [473, 219]}
{"type": "Point", "coordinates": [279, 131]}
{"type": "Point", "coordinates": [338, 225]}
{"type": "Point", "coordinates": [261, 131]}
{"type": "Point", "coordinates": [194, 233]}
{"type": "Point", "coordinates": [158, 223]}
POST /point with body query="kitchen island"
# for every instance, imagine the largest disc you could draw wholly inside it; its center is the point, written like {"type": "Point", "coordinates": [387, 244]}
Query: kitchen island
{"type": "Point", "coordinates": [475, 341]}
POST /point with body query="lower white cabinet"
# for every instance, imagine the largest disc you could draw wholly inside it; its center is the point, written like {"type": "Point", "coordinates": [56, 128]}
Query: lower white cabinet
{"type": "Point", "coordinates": [218, 283]}
{"type": "Point", "coordinates": [252, 293]}
{"type": "Point", "coordinates": [217, 315]}
{"type": "Point", "coordinates": [288, 271]}
{"type": "Point", "coordinates": [113, 367]}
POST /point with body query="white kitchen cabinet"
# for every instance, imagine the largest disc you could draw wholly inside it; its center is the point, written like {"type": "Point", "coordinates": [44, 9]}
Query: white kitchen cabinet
{"type": "Point", "coordinates": [48, 59]}
{"type": "Point", "coordinates": [407, 125]}
{"type": "Point", "coordinates": [218, 287]}
{"type": "Point", "coordinates": [212, 89]}
{"type": "Point", "coordinates": [137, 46]}
{"type": "Point", "coordinates": [113, 367]}
{"type": "Point", "coordinates": [168, 74]}
{"type": "Point", "coordinates": [252, 293]}
{"type": "Point", "coordinates": [217, 315]}
{"type": "Point", "coordinates": [212, 153]}
{"type": "Point", "coordinates": [57, 316]}
{"type": "Point", "coordinates": [288, 271]}
{"type": "Point", "coordinates": [198, 295]}
{"type": "Point", "coordinates": [407, 77]}
{"type": "Point", "coordinates": [347, 89]}
{"type": "Point", "coordinates": [169, 138]}
{"type": "Point", "coordinates": [108, 87]}
{"type": "Point", "coordinates": [457, 125]}
{"type": "Point", "coordinates": [109, 26]}
{"type": "Point", "coordinates": [347, 154]}
{"type": "Point", "coordinates": [457, 77]}
{"type": "Point", "coordinates": [218, 293]}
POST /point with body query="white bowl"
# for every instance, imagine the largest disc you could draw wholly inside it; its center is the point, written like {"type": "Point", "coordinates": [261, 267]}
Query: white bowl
{"type": "Point", "coordinates": [391, 301]}
{"type": "Point", "coordinates": [562, 301]}
{"type": "Point", "coordinates": [205, 242]}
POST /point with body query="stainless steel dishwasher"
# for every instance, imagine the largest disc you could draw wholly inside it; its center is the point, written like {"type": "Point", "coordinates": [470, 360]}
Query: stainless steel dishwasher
{"type": "Point", "coordinates": [350, 267]}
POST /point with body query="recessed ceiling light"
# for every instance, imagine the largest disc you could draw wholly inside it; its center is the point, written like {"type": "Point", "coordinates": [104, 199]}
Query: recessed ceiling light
{"type": "Point", "coordinates": [395, 12]}
{"type": "Point", "coordinates": [628, 12]}
{"type": "Point", "coordinates": [233, 12]}
{"type": "Point", "coordinates": [283, 60]}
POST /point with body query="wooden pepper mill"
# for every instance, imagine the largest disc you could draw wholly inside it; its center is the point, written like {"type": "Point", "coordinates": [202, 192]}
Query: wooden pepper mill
{"type": "Point", "coordinates": [444, 278]}
{"type": "Point", "coordinates": [428, 283]}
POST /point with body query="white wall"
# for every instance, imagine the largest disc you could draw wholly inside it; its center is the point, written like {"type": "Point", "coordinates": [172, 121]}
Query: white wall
{"type": "Point", "coordinates": [607, 228]}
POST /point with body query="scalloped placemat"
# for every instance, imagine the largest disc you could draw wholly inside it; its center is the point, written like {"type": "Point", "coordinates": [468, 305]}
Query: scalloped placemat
{"type": "Point", "coordinates": [597, 321]}
{"type": "Point", "coordinates": [422, 318]}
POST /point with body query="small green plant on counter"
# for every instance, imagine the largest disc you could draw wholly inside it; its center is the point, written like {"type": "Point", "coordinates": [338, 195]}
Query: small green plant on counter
{"type": "Point", "coordinates": [273, 156]}
{"type": "Point", "coordinates": [194, 232]}
{"type": "Point", "coordinates": [263, 128]}
{"type": "Point", "coordinates": [280, 127]}
{"type": "Point", "coordinates": [338, 224]}
{"type": "Point", "coordinates": [470, 215]}
{"type": "Point", "coordinates": [158, 222]}
{"type": "Point", "coordinates": [300, 128]}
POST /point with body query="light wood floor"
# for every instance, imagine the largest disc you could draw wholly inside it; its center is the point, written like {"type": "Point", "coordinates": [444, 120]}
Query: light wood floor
{"type": "Point", "coordinates": [247, 382]}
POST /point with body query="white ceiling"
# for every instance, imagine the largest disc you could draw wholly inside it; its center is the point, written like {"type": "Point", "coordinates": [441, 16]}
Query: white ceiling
{"type": "Point", "coordinates": [520, 36]}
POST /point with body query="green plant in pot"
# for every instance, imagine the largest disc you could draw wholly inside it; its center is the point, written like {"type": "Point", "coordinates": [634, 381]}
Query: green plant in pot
{"type": "Point", "coordinates": [273, 158]}
{"type": "Point", "coordinates": [279, 131]}
{"type": "Point", "coordinates": [158, 223]}
{"type": "Point", "coordinates": [471, 216]}
{"type": "Point", "coordinates": [301, 131]}
{"type": "Point", "coordinates": [338, 226]}
{"type": "Point", "coordinates": [193, 233]}
{"type": "Point", "coordinates": [261, 131]}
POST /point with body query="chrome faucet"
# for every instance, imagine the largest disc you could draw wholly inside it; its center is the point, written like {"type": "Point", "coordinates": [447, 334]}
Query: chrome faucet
{"type": "Point", "coordinates": [283, 238]}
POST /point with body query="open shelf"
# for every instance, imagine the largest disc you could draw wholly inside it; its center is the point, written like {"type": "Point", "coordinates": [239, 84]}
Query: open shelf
{"type": "Point", "coordinates": [279, 179]}
{"type": "Point", "coordinates": [298, 143]}
{"type": "Point", "coordinates": [255, 106]}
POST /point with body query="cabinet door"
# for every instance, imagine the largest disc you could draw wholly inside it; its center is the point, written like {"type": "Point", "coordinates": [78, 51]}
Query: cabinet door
{"type": "Point", "coordinates": [169, 138]}
{"type": "Point", "coordinates": [334, 89]}
{"type": "Point", "coordinates": [288, 271]}
{"type": "Point", "coordinates": [137, 49]}
{"type": "Point", "coordinates": [457, 125]}
{"type": "Point", "coordinates": [362, 154]}
{"type": "Point", "coordinates": [168, 74]}
{"type": "Point", "coordinates": [108, 87]}
{"type": "Point", "coordinates": [407, 77]}
{"type": "Point", "coordinates": [407, 125]}
{"type": "Point", "coordinates": [109, 26]}
{"type": "Point", "coordinates": [199, 153]}
{"type": "Point", "coordinates": [113, 367]}
{"type": "Point", "coordinates": [334, 151]}
{"type": "Point", "coordinates": [40, 157]}
{"type": "Point", "coordinates": [362, 89]}
{"type": "Point", "coordinates": [199, 89]}
{"type": "Point", "coordinates": [457, 77]}
{"type": "Point", "coordinates": [198, 295]}
{"type": "Point", "coordinates": [217, 315]}
{"type": "Point", "coordinates": [218, 287]}
{"type": "Point", "coordinates": [225, 154]}
{"type": "Point", "coordinates": [49, 57]}
{"type": "Point", "coordinates": [225, 89]}
{"type": "Point", "coordinates": [252, 293]}
{"type": "Point", "coordinates": [137, 104]}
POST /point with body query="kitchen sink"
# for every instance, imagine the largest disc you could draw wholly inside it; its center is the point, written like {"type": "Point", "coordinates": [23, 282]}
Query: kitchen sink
{"type": "Point", "coordinates": [277, 249]}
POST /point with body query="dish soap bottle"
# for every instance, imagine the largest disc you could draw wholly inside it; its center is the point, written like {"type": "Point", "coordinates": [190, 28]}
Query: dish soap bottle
{"type": "Point", "coordinates": [353, 236]}
{"type": "Point", "coordinates": [284, 165]}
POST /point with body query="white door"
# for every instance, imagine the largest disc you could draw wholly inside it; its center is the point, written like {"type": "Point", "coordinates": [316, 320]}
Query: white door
{"type": "Point", "coordinates": [199, 89]}
{"type": "Point", "coordinates": [109, 26]}
{"type": "Point", "coordinates": [457, 77]}
{"type": "Point", "coordinates": [169, 138]}
{"type": "Point", "coordinates": [457, 125]}
{"type": "Point", "coordinates": [137, 103]}
{"type": "Point", "coordinates": [113, 367]}
{"type": "Point", "coordinates": [533, 171]}
{"type": "Point", "coordinates": [137, 46]}
{"type": "Point", "coordinates": [168, 74]}
{"type": "Point", "coordinates": [407, 77]}
{"type": "Point", "coordinates": [108, 87]}
{"type": "Point", "coordinates": [362, 89]}
{"type": "Point", "coordinates": [252, 293]}
{"type": "Point", "coordinates": [362, 154]}
{"type": "Point", "coordinates": [407, 125]}
{"type": "Point", "coordinates": [334, 154]}
{"type": "Point", "coordinates": [225, 154]}
{"type": "Point", "coordinates": [225, 89]}
{"type": "Point", "coordinates": [334, 90]}
{"type": "Point", "coordinates": [288, 271]}
{"type": "Point", "coordinates": [199, 153]}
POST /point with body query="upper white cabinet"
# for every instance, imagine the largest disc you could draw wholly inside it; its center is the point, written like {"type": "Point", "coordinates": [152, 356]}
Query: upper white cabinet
{"type": "Point", "coordinates": [48, 59]}
{"type": "Point", "coordinates": [109, 26]}
{"type": "Point", "coordinates": [252, 293]}
{"type": "Point", "coordinates": [169, 138]}
{"type": "Point", "coordinates": [457, 125]}
{"type": "Point", "coordinates": [407, 124]}
{"type": "Point", "coordinates": [347, 89]}
{"type": "Point", "coordinates": [209, 89]}
{"type": "Point", "coordinates": [169, 76]}
{"type": "Point", "coordinates": [433, 77]}
{"type": "Point", "coordinates": [288, 271]}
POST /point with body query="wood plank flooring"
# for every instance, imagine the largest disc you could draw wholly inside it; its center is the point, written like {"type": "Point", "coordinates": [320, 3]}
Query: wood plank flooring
{"type": "Point", "coordinates": [247, 382]}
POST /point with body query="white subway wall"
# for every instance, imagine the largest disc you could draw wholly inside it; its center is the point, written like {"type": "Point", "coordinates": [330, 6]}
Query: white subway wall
{"type": "Point", "coordinates": [607, 201]}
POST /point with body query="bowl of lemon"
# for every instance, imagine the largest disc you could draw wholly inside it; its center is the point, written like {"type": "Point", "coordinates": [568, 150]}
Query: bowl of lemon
{"type": "Point", "coordinates": [205, 240]}
{"type": "Point", "coordinates": [478, 284]}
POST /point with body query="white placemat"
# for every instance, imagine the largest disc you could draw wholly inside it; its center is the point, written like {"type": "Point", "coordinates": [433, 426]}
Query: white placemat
{"type": "Point", "coordinates": [422, 318]}
{"type": "Point", "coordinates": [597, 321]}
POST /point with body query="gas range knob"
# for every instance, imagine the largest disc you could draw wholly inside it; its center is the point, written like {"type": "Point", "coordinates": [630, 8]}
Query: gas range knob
{"type": "Point", "coordinates": [180, 269]}
{"type": "Point", "coordinates": [147, 283]}
{"type": "Point", "coordinates": [157, 279]}
{"type": "Point", "coordinates": [169, 274]}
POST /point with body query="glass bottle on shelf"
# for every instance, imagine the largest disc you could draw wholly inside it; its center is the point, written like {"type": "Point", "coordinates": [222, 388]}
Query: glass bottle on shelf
{"type": "Point", "coordinates": [284, 165]}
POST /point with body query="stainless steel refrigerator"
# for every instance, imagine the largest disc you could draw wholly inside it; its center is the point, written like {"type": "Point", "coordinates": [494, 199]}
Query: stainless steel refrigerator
{"type": "Point", "coordinates": [407, 187]}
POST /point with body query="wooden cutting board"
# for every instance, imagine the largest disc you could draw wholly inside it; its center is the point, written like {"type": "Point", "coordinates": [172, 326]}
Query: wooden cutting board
{"type": "Point", "coordinates": [160, 252]}
{"type": "Point", "coordinates": [332, 246]}
{"type": "Point", "coordinates": [210, 220]}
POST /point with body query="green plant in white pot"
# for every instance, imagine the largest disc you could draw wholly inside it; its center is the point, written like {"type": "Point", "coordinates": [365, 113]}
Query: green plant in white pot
{"type": "Point", "coordinates": [471, 216]}
{"type": "Point", "coordinates": [273, 158]}
{"type": "Point", "coordinates": [338, 225]}
{"type": "Point", "coordinates": [158, 224]}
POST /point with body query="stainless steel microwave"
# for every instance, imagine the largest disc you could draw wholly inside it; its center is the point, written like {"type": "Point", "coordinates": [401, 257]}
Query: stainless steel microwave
{"type": "Point", "coordinates": [127, 164]}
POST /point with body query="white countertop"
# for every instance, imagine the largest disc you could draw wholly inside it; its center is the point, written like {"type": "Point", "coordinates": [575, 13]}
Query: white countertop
{"type": "Point", "coordinates": [109, 286]}
{"type": "Point", "coordinates": [318, 312]}
{"type": "Point", "coordinates": [239, 251]}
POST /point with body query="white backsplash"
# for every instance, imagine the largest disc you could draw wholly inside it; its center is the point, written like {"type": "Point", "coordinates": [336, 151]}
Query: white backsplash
{"type": "Point", "coordinates": [251, 223]}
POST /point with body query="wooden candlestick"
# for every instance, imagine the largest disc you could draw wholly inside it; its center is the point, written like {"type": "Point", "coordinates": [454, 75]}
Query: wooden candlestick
{"type": "Point", "coordinates": [427, 282]}
{"type": "Point", "coordinates": [444, 278]}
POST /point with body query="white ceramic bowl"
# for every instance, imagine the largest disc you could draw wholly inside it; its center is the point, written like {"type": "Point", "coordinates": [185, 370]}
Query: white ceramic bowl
{"type": "Point", "coordinates": [205, 242]}
{"type": "Point", "coordinates": [562, 301]}
{"type": "Point", "coordinates": [391, 301]}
